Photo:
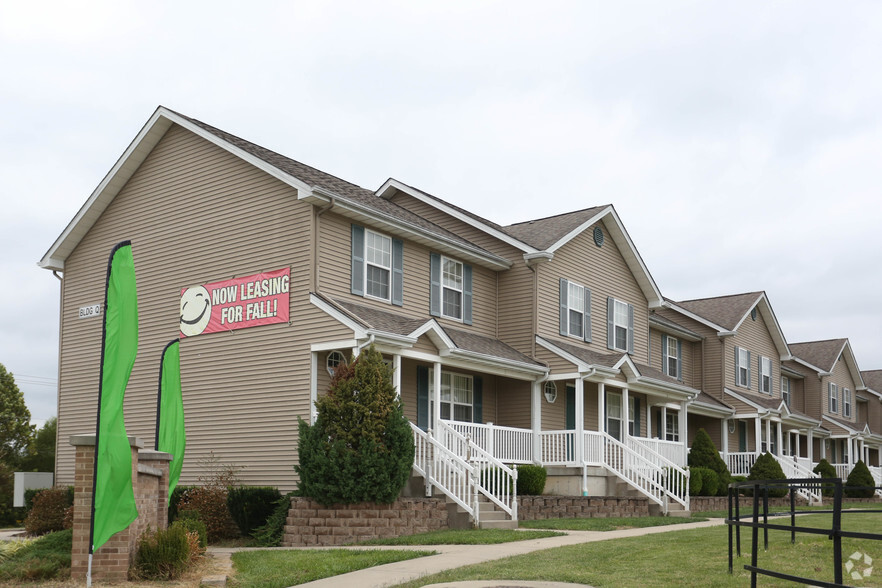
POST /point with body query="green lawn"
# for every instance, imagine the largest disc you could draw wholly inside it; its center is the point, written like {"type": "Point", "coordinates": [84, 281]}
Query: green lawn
{"type": "Point", "coordinates": [607, 524]}
{"type": "Point", "coordinates": [463, 537]}
{"type": "Point", "coordinates": [279, 568]}
{"type": "Point", "coordinates": [678, 558]}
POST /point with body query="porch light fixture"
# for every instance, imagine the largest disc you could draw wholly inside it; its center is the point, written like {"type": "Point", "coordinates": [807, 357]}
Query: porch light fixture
{"type": "Point", "coordinates": [731, 426]}
{"type": "Point", "coordinates": [550, 392]}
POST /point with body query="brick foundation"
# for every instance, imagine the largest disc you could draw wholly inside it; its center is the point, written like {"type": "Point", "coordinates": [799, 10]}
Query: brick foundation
{"type": "Point", "coordinates": [703, 503]}
{"type": "Point", "coordinates": [310, 523]}
{"type": "Point", "coordinates": [531, 508]}
{"type": "Point", "coordinates": [111, 562]}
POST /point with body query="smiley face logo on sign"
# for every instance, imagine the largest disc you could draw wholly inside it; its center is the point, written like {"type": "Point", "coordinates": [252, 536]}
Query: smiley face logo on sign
{"type": "Point", "coordinates": [195, 310]}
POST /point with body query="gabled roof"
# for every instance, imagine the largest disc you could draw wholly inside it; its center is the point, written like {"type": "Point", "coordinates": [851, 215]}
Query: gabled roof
{"type": "Point", "coordinates": [311, 185]}
{"type": "Point", "coordinates": [545, 235]}
{"type": "Point", "coordinates": [726, 314]}
{"type": "Point", "coordinates": [668, 326]}
{"type": "Point", "coordinates": [823, 355]}
{"type": "Point", "coordinates": [873, 381]}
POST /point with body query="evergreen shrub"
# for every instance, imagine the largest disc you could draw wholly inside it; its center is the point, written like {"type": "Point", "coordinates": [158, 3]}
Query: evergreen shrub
{"type": "Point", "coordinates": [710, 482]}
{"type": "Point", "coordinates": [704, 454]}
{"type": "Point", "coordinates": [860, 482]}
{"type": "Point", "coordinates": [766, 467]}
{"type": "Point", "coordinates": [531, 480]}
{"type": "Point", "coordinates": [250, 506]}
{"type": "Point", "coordinates": [826, 470]}
{"type": "Point", "coordinates": [360, 448]}
{"type": "Point", "coordinates": [163, 554]}
{"type": "Point", "coordinates": [271, 533]}
{"type": "Point", "coordinates": [695, 480]}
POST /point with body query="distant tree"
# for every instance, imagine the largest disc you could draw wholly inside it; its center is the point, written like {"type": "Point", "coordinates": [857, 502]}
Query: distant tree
{"type": "Point", "coordinates": [40, 454]}
{"type": "Point", "coordinates": [15, 420]}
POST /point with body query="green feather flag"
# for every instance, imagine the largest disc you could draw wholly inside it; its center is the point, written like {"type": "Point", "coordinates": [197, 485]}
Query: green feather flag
{"type": "Point", "coordinates": [113, 497]}
{"type": "Point", "coordinates": [170, 434]}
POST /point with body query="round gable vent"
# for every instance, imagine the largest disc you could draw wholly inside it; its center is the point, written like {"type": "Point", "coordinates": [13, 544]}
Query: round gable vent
{"type": "Point", "coordinates": [753, 313]}
{"type": "Point", "coordinates": [598, 236]}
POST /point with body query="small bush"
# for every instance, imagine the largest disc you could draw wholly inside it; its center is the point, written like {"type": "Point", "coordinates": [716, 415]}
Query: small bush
{"type": "Point", "coordinates": [826, 470]}
{"type": "Point", "coordinates": [46, 558]}
{"type": "Point", "coordinates": [766, 467]}
{"type": "Point", "coordinates": [710, 483]}
{"type": "Point", "coordinates": [270, 534]}
{"type": "Point", "coordinates": [47, 512]}
{"type": "Point", "coordinates": [531, 480]}
{"type": "Point", "coordinates": [210, 502]}
{"type": "Point", "coordinates": [695, 480]}
{"type": "Point", "coordinates": [194, 526]}
{"type": "Point", "coordinates": [175, 499]}
{"type": "Point", "coordinates": [860, 482]}
{"type": "Point", "coordinates": [704, 454]}
{"type": "Point", "coordinates": [250, 506]}
{"type": "Point", "coordinates": [163, 554]}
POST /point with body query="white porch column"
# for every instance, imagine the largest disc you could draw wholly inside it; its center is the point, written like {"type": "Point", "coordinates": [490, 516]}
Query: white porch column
{"type": "Point", "coordinates": [664, 423]}
{"type": "Point", "coordinates": [810, 441]}
{"type": "Point", "coordinates": [601, 412]}
{"type": "Point", "coordinates": [684, 433]}
{"type": "Point", "coordinates": [778, 446]}
{"type": "Point", "coordinates": [648, 421]}
{"type": "Point", "coordinates": [396, 375]}
{"type": "Point", "coordinates": [536, 421]}
{"type": "Point", "coordinates": [758, 433]}
{"type": "Point", "coordinates": [798, 447]}
{"type": "Point", "coordinates": [849, 453]}
{"type": "Point", "coordinates": [313, 385]}
{"type": "Point", "coordinates": [789, 449]}
{"type": "Point", "coordinates": [436, 397]}
{"type": "Point", "coordinates": [823, 444]}
{"type": "Point", "coordinates": [626, 416]}
{"type": "Point", "coordinates": [769, 435]}
{"type": "Point", "coordinates": [725, 435]}
{"type": "Point", "coordinates": [580, 420]}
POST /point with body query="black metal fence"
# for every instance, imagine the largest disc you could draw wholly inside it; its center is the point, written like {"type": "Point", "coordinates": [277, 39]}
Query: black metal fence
{"type": "Point", "coordinates": [758, 518]}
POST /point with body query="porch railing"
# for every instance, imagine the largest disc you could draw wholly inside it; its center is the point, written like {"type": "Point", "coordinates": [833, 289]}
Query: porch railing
{"type": "Point", "coordinates": [675, 479]}
{"type": "Point", "coordinates": [794, 470]}
{"type": "Point", "coordinates": [739, 463]}
{"type": "Point", "coordinates": [673, 451]}
{"type": "Point", "coordinates": [653, 481]}
{"type": "Point", "coordinates": [508, 444]}
{"type": "Point", "coordinates": [877, 477]}
{"type": "Point", "coordinates": [557, 448]}
{"type": "Point", "coordinates": [842, 470]}
{"type": "Point", "coordinates": [492, 478]}
{"type": "Point", "coordinates": [445, 470]}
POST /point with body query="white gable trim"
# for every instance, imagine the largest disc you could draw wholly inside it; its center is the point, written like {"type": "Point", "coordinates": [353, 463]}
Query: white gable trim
{"type": "Point", "coordinates": [765, 308]}
{"type": "Point", "coordinates": [393, 184]}
{"type": "Point", "coordinates": [675, 307]}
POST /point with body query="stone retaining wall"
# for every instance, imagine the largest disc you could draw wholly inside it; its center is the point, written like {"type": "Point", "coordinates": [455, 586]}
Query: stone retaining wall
{"type": "Point", "coordinates": [531, 508]}
{"type": "Point", "coordinates": [703, 503]}
{"type": "Point", "coordinates": [310, 523]}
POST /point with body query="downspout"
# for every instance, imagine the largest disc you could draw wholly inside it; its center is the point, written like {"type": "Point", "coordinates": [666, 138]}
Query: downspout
{"type": "Point", "coordinates": [315, 242]}
{"type": "Point", "coordinates": [58, 370]}
{"type": "Point", "coordinates": [363, 345]}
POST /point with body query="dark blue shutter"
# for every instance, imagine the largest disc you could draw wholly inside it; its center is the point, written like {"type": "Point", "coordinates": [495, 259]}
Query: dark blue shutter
{"type": "Point", "coordinates": [631, 329]}
{"type": "Point", "coordinates": [397, 272]}
{"type": "Point", "coordinates": [737, 367]}
{"type": "Point", "coordinates": [478, 406]}
{"type": "Point", "coordinates": [664, 339]}
{"type": "Point", "coordinates": [679, 360]}
{"type": "Point", "coordinates": [636, 417]}
{"type": "Point", "coordinates": [610, 325]}
{"type": "Point", "coordinates": [467, 295]}
{"type": "Point", "coordinates": [587, 320]}
{"type": "Point", "coordinates": [422, 397]}
{"type": "Point", "coordinates": [564, 315]}
{"type": "Point", "coordinates": [358, 260]}
{"type": "Point", "coordinates": [434, 284]}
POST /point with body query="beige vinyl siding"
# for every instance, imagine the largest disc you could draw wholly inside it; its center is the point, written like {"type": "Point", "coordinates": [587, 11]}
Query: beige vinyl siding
{"type": "Point", "coordinates": [754, 336]}
{"type": "Point", "coordinates": [714, 428]}
{"type": "Point", "coordinates": [556, 363]}
{"type": "Point", "coordinates": [196, 214]}
{"type": "Point", "coordinates": [689, 364]}
{"type": "Point", "coordinates": [425, 345]}
{"type": "Point", "coordinates": [513, 403]}
{"type": "Point", "coordinates": [516, 308]}
{"type": "Point", "coordinates": [604, 271]}
{"type": "Point", "coordinates": [335, 279]}
{"type": "Point", "coordinates": [554, 415]}
{"type": "Point", "coordinates": [707, 360]}
{"type": "Point", "coordinates": [841, 376]}
{"type": "Point", "coordinates": [489, 388]}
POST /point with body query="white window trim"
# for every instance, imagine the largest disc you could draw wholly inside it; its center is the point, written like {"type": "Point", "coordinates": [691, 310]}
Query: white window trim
{"type": "Point", "coordinates": [672, 341]}
{"type": "Point", "coordinates": [763, 375]}
{"type": "Point", "coordinates": [743, 364]}
{"type": "Point", "coordinates": [672, 433]}
{"type": "Point", "coordinates": [580, 290]}
{"type": "Point", "coordinates": [616, 305]}
{"type": "Point", "coordinates": [846, 402]}
{"type": "Point", "coordinates": [550, 391]}
{"type": "Point", "coordinates": [451, 401]}
{"type": "Point", "coordinates": [338, 360]}
{"type": "Point", "coordinates": [833, 403]}
{"type": "Point", "coordinates": [786, 393]}
{"type": "Point", "coordinates": [461, 289]}
{"type": "Point", "coordinates": [367, 233]}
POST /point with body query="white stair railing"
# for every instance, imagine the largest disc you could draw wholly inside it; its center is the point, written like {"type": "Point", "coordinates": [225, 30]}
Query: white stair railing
{"type": "Point", "coordinates": [877, 478]}
{"type": "Point", "coordinates": [795, 470]}
{"type": "Point", "coordinates": [493, 479]}
{"type": "Point", "coordinates": [676, 478]}
{"type": "Point", "coordinates": [446, 471]}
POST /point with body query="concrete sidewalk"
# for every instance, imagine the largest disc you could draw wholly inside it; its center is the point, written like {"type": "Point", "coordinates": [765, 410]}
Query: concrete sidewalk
{"type": "Point", "coordinates": [456, 556]}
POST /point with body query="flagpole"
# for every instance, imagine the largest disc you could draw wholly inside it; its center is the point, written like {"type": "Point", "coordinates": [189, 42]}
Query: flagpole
{"type": "Point", "coordinates": [98, 418]}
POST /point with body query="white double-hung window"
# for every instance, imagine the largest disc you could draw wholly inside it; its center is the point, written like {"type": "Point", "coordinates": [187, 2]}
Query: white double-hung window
{"type": "Point", "coordinates": [785, 389]}
{"type": "Point", "coordinates": [620, 325]}
{"type": "Point", "coordinates": [575, 310]}
{"type": "Point", "coordinates": [846, 402]}
{"type": "Point", "coordinates": [742, 367]}
{"type": "Point", "coordinates": [672, 360]}
{"type": "Point", "coordinates": [457, 396]}
{"type": "Point", "coordinates": [833, 394]}
{"type": "Point", "coordinates": [765, 381]}
{"type": "Point", "coordinates": [378, 265]}
{"type": "Point", "coordinates": [451, 288]}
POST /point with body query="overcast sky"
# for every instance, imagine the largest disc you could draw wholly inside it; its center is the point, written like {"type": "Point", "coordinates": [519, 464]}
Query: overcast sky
{"type": "Point", "coordinates": [740, 142]}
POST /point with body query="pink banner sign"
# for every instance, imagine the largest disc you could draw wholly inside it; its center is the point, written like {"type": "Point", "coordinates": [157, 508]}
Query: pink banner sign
{"type": "Point", "coordinates": [250, 301]}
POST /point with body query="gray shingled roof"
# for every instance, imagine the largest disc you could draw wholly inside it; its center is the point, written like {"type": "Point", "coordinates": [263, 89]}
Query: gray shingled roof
{"type": "Point", "coordinates": [726, 311]}
{"type": "Point", "coordinates": [333, 184]}
{"type": "Point", "coordinates": [822, 354]}
{"type": "Point", "coordinates": [873, 380]}
{"type": "Point", "coordinates": [705, 398]}
{"type": "Point", "coordinates": [389, 322]}
{"type": "Point", "coordinates": [846, 425]}
{"type": "Point", "coordinates": [544, 232]}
